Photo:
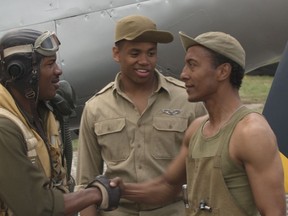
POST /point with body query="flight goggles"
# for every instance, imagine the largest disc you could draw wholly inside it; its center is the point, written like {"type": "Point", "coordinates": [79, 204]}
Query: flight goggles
{"type": "Point", "coordinates": [46, 44]}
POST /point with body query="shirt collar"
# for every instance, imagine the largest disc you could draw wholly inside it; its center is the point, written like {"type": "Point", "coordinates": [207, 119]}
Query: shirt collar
{"type": "Point", "coordinates": [162, 83]}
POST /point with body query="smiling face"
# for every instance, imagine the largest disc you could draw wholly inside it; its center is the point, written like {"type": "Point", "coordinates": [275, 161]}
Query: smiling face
{"type": "Point", "coordinates": [137, 61]}
{"type": "Point", "coordinates": [199, 74]}
{"type": "Point", "coordinates": [49, 78]}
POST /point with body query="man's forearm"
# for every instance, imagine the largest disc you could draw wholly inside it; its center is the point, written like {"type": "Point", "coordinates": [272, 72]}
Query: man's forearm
{"type": "Point", "coordinates": [79, 200]}
{"type": "Point", "coordinates": [90, 211]}
{"type": "Point", "coordinates": [157, 191]}
{"type": "Point", "coordinates": [98, 193]}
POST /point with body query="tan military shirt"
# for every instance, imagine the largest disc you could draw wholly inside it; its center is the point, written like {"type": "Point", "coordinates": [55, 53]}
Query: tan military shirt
{"type": "Point", "coordinates": [134, 146]}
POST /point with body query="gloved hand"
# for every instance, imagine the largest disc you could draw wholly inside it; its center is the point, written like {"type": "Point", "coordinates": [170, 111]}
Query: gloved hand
{"type": "Point", "coordinates": [110, 195]}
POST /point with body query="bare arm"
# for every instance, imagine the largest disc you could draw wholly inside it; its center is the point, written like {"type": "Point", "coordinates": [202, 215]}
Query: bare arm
{"type": "Point", "coordinates": [89, 211]}
{"type": "Point", "coordinates": [164, 188]}
{"type": "Point", "coordinates": [255, 147]}
{"type": "Point", "coordinates": [107, 198]}
{"type": "Point", "coordinates": [159, 190]}
{"type": "Point", "coordinates": [75, 202]}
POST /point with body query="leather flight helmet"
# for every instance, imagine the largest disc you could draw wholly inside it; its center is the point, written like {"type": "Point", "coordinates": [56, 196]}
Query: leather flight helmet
{"type": "Point", "coordinates": [21, 52]}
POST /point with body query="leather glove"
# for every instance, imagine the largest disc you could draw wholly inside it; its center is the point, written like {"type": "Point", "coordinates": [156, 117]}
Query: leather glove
{"type": "Point", "coordinates": [110, 195]}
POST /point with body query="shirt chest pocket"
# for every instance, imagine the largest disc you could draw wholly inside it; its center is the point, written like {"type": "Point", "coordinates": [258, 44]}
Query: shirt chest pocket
{"type": "Point", "coordinates": [113, 139]}
{"type": "Point", "coordinates": [167, 136]}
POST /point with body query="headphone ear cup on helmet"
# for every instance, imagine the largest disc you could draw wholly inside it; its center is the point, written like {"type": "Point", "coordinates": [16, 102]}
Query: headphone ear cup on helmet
{"type": "Point", "coordinates": [16, 69]}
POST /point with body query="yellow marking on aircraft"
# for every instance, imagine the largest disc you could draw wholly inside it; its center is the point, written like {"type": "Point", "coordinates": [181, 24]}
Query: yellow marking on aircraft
{"type": "Point", "coordinates": [285, 168]}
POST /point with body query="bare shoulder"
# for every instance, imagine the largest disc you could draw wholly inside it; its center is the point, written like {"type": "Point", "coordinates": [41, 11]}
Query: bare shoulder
{"type": "Point", "coordinates": [253, 119]}
{"type": "Point", "coordinates": [252, 139]}
{"type": "Point", "coordinates": [254, 124]}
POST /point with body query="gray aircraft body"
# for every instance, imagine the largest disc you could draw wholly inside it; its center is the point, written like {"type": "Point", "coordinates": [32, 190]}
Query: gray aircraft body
{"type": "Point", "coordinates": [86, 31]}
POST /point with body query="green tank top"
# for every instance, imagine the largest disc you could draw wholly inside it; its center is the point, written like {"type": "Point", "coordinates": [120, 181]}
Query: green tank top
{"type": "Point", "coordinates": [210, 172]}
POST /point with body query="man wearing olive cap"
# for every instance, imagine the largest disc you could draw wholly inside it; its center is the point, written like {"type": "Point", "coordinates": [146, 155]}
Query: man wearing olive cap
{"type": "Point", "coordinates": [135, 125]}
{"type": "Point", "coordinates": [229, 161]}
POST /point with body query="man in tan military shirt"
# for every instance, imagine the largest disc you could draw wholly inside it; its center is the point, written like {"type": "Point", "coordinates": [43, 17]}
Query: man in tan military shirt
{"type": "Point", "coordinates": [229, 158]}
{"type": "Point", "coordinates": [135, 125]}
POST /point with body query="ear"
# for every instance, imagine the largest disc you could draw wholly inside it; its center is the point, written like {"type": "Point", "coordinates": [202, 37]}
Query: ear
{"type": "Point", "coordinates": [115, 53]}
{"type": "Point", "coordinates": [224, 71]}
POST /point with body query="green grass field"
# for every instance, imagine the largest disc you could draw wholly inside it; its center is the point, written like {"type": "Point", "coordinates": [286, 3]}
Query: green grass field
{"type": "Point", "coordinates": [255, 89]}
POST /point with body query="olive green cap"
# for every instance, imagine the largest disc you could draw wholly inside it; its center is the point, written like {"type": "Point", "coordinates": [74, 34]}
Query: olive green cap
{"type": "Point", "coordinates": [141, 29]}
{"type": "Point", "coordinates": [219, 42]}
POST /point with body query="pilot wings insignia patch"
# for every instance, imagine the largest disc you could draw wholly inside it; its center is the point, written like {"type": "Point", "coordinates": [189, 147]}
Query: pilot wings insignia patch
{"type": "Point", "coordinates": [171, 111]}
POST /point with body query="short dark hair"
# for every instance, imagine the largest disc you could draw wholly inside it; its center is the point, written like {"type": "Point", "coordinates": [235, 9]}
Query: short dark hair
{"type": "Point", "coordinates": [237, 72]}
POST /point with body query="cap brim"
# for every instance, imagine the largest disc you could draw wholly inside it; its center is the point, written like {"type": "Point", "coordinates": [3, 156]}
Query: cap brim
{"type": "Point", "coordinates": [187, 41]}
{"type": "Point", "coordinates": [155, 36]}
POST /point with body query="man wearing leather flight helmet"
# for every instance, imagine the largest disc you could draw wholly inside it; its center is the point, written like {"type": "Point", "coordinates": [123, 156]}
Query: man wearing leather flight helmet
{"type": "Point", "coordinates": [35, 183]}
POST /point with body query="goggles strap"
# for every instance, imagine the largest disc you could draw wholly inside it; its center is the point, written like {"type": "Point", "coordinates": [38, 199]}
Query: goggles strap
{"type": "Point", "coordinates": [32, 88]}
{"type": "Point", "coordinates": [28, 48]}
